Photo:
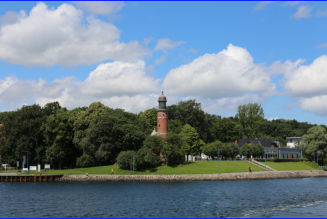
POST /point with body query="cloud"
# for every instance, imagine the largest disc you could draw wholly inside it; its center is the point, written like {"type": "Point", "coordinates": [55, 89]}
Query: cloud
{"type": "Point", "coordinates": [323, 45]}
{"type": "Point", "coordinates": [100, 7]}
{"type": "Point", "coordinates": [307, 83]}
{"type": "Point", "coordinates": [303, 12]}
{"type": "Point", "coordinates": [321, 13]}
{"type": "Point", "coordinates": [147, 41]}
{"type": "Point", "coordinates": [228, 73]}
{"type": "Point", "coordinates": [63, 36]}
{"type": "Point", "coordinates": [263, 4]}
{"type": "Point", "coordinates": [293, 3]}
{"type": "Point", "coordinates": [308, 80]}
{"type": "Point", "coordinates": [116, 84]}
{"type": "Point", "coordinates": [315, 104]}
{"type": "Point", "coordinates": [11, 17]}
{"type": "Point", "coordinates": [166, 43]}
{"type": "Point", "coordinates": [228, 105]}
{"type": "Point", "coordinates": [119, 78]}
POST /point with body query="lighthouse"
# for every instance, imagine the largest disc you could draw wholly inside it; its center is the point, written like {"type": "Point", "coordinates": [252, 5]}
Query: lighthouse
{"type": "Point", "coordinates": [162, 118]}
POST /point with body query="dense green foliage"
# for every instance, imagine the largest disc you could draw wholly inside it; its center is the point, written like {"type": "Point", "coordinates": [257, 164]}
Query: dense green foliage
{"type": "Point", "coordinates": [95, 135]}
{"type": "Point", "coordinates": [172, 151]}
{"type": "Point", "coordinates": [255, 151]}
{"type": "Point", "coordinates": [315, 143]}
{"type": "Point", "coordinates": [125, 160]}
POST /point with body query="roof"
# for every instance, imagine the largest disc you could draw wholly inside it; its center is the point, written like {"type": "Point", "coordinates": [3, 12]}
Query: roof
{"type": "Point", "coordinates": [162, 97]}
{"type": "Point", "coordinates": [265, 142]}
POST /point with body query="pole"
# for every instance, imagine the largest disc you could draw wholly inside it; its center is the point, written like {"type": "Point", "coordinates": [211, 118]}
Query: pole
{"type": "Point", "coordinates": [265, 161]}
{"type": "Point", "coordinates": [218, 161]}
{"type": "Point", "coordinates": [317, 158]}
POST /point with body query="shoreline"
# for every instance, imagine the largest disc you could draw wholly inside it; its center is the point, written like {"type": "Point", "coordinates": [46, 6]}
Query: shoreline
{"type": "Point", "coordinates": [194, 177]}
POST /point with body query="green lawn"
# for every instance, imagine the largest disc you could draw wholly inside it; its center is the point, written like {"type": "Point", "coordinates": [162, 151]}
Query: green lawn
{"type": "Point", "coordinates": [199, 167]}
{"type": "Point", "coordinates": [292, 165]}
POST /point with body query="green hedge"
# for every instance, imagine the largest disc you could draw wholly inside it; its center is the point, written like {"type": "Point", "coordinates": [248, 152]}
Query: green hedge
{"type": "Point", "coordinates": [283, 159]}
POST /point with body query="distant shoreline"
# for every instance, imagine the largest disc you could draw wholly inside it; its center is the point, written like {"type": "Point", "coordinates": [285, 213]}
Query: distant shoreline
{"type": "Point", "coordinates": [194, 177]}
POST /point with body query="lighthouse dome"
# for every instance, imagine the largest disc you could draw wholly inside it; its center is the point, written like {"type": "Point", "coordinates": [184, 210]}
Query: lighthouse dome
{"type": "Point", "coordinates": [162, 98]}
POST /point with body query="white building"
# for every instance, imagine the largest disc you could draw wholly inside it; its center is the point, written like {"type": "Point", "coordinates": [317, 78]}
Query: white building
{"type": "Point", "coordinates": [293, 142]}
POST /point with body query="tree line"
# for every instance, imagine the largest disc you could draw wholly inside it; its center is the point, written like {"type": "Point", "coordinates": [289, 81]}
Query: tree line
{"type": "Point", "coordinates": [97, 134]}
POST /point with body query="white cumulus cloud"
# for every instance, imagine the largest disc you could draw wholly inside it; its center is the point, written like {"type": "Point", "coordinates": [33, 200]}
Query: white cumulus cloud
{"type": "Point", "coordinates": [307, 83]}
{"type": "Point", "coordinates": [63, 36]}
{"type": "Point", "coordinates": [308, 80]}
{"type": "Point", "coordinates": [228, 73]}
{"type": "Point", "coordinates": [100, 7]}
{"type": "Point", "coordinates": [166, 43]}
{"type": "Point", "coordinates": [116, 84]}
{"type": "Point", "coordinates": [119, 78]}
{"type": "Point", "coordinates": [303, 12]}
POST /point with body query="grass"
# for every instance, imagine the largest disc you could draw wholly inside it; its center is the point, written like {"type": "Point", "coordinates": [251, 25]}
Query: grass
{"type": "Point", "coordinates": [199, 167]}
{"type": "Point", "coordinates": [304, 165]}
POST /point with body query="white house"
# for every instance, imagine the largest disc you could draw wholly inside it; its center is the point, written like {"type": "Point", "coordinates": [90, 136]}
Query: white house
{"type": "Point", "coordinates": [293, 142]}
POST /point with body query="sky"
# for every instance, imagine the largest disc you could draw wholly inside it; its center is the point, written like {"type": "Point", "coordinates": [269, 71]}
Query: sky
{"type": "Point", "coordinates": [123, 54]}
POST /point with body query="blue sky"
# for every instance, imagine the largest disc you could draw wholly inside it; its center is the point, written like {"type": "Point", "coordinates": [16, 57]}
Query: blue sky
{"type": "Point", "coordinates": [123, 54]}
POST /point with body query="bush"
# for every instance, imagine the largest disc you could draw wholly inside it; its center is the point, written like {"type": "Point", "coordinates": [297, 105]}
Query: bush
{"type": "Point", "coordinates": [254, 150]}
{"type": "Point", "coordinates": [125, 160]}
{"type": "Point", "coordinates": [155, 143]}
{"type": "Point", "coordinates": [144, 159]}
{"type": "Point", "coordinates": [211, 149]}
{"type": "Point", "coordinates": [229, 150]}
{"type": "Point", "coordinates": [85, 161]}
{"type": "Point", "coordinates": [172, 153]}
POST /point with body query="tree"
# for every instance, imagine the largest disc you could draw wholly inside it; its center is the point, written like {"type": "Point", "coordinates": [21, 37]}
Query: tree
{"type": "Point", "coordinates": [226, 130]}
{"type": "Point", "coordinates": [155, 143]}
{"type": "Point", "coordinates": [250, 116]}
{"type": "Point", "coordinates": [85, 161]}
{"type": "Point", "coordinates": [83, 120]}
{"type": "Point", "coordinates": [22, 133]}
{"type": "Point", "coordinates": [229, 150]}
{"type": "Point", "coordinates": [190, 112]}
{"type": "Point", "coordinates": [191, 142]}
{"type": "Point", "coordinates": [211, 149]}
{"type": "Point", "coordinates": [254, 150]}
{"type": "Point", "coordinates": [148, 119]}
{"type": "Point", "coordinates": [58, 137]}
{"type": "Point", "coordinates": [315, 141]}
{"type": "Point", "coordinates": [172, 152]}
{"type": "Point", "coordinates": [145, 159]}
{"type": "Point", "coordinates": [103, 132]}
{"type": "Point", "coordinates": [175, 126]}
{"type": "Point", "coordinates": [125, 160]}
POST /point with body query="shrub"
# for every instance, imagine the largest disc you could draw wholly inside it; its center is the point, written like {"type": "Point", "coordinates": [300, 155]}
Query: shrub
{"type": "Point", "coordinates": [125, 160]}
{"type": "Point", "coordinates": [211, 149]}
{"type": "Point", "coordinates": [172, 153]}
{"type": "Point", "coordinates": [229, 150]}
{"type": "Point", "coordinates": [85, 161]}
{"type": "Point", "coordinates": [155, 143]}
{"type": "Point", "coordinates": [144, 159]}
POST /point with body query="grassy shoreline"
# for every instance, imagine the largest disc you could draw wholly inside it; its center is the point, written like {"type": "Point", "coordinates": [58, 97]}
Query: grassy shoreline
{"type": "Point", "coordinates": [199, 167]}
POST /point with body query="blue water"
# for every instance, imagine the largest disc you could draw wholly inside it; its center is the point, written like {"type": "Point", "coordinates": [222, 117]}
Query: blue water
{"type": "Point", "coordinates": [305, 197]}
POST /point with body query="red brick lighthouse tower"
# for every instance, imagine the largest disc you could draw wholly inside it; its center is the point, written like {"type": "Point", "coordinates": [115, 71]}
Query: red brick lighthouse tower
{"type": "Point", "coordinates": [162, 118]}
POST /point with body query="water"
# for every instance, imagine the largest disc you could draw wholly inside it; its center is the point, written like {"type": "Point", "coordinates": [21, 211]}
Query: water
{"type": "Point", "coordinates": [305, 197]}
